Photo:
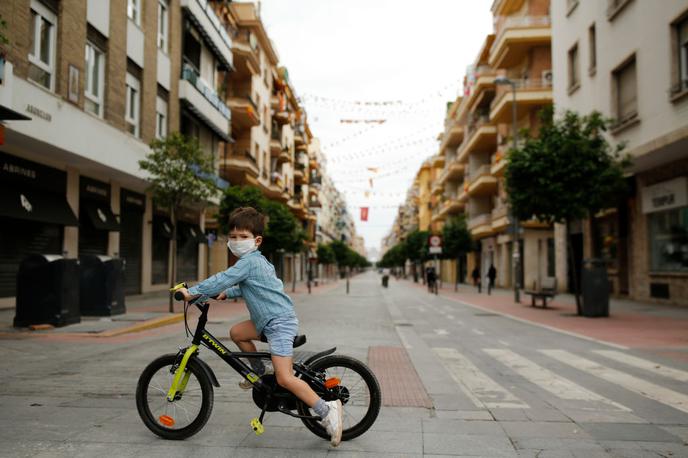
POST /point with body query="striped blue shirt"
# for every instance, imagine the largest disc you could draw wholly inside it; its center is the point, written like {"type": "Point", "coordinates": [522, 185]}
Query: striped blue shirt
{"type": "Point", "coordinates": [254, 279]}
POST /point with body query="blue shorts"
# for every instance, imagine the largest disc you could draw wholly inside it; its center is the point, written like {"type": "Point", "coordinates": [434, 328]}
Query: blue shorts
{"type": "Point", "coordinates": [280, 333]}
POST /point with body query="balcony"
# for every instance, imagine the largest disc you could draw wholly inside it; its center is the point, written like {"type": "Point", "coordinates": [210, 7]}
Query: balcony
{"type": "Point", "coordinates": [275, 147]}
{"type": "Point", "coordinates": [276, 189]}
{"type": "Point", "coordinates": [516, 35]}
{"type": "Point", "coordinates": [482, 182]}
{"type": "Point", "coordinates": [244, 113]}
{"type": "Point", "coordinates": [504, 7]}
{"type": "Point", "coordinates": [482, 136]}
{"type": "Point", "coordinates": [246, 58]}
{"type": "Point", "coordinates": [437, 161]}
{"type": "Point", "coordinates": [498, 162]}
{"type": "Point", "coordinates": [463, 191]}
{"type": "Point", "coordinates": [284, 155]}
{"type": "Point", "coordinates": [480, 225]}
{"type": "Point", "coordinates": [299, 173]}
{"type": "Point", "coordinates": [437, 188]}
{"type": "Point", "coordinates": [201, 13]}
{"type": "Point", "coordinates": [529, 93]}
{"type": "Point", "coordinates": [437, 215]}
{"type": "Point", "coordinates": [484, 83]}
{"type": "Point", "coordinates": [204, 102]}
{"type": "Point", "coordinates": [453, 171]}
{"type": "Point", "coordinates": [239, 167]}
{"type": "Point", "coordinates": [451, 206]}
{"type": "Point", "coordinates": [452, 136]}
{"type": "Point", "coordinates": [500, 218]}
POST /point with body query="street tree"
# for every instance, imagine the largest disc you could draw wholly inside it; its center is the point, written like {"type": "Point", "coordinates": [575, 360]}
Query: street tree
{"type": "Point", "coordinates": [416, 245]}
{"type": "Point", "coordinates": [457, 241]}
{"type": "Point", "coordinates": [178, 172]}
{"type": "Point", "coordinates": [568, 172]}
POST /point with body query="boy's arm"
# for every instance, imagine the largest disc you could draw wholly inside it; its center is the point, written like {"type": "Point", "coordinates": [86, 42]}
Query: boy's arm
{"type": "Point", "coordinates": [221, 281]}
{"type": "Point", "coordinates": [233, 292]}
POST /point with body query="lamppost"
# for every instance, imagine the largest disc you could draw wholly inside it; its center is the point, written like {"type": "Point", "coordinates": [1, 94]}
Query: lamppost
{"type": "Point", "coordinates": [516, 254]}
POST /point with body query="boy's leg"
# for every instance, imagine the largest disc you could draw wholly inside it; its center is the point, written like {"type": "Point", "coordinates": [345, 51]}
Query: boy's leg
{"type": "Point", "coordinates": [243, 334]}
{"type": "Point", "coordinates": [285, 377]}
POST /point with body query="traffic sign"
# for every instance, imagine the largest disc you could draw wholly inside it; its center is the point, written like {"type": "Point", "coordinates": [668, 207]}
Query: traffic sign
{"type": "Point", "coordinates": [435, 244]}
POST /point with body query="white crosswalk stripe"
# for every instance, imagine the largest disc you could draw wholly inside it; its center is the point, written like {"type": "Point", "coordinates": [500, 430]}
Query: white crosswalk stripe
{"type": "Point", "coordinates": [642, 387]}
{"type": "Point", "coordinates": [630, 360]}
{"type": "Point", "coordinates": [559, 386]}
{"type": "Point", "coordinates": [476, 385]}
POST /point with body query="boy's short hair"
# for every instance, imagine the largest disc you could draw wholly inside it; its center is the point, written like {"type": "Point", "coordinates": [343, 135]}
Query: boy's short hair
{"type": "Point", "coordinates": [247, 219]}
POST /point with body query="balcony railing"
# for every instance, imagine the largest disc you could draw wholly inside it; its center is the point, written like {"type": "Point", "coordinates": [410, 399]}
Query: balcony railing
{"type": "Point", "coordinates": [479, 220]}
{"type": "Point", "coordinates": [532, 84]}
{"type": "Point", "coordinates": [500, 212]}
{"type": "Point", "coordinates": [191, 75]}
{"type": "Point", "coordinates": [480, 171]}
{"type": "Point", "coordinates": [505, 23]}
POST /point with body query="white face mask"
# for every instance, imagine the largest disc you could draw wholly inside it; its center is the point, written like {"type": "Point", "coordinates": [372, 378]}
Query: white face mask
{"type": "Point", "coordinates": [241, 247]}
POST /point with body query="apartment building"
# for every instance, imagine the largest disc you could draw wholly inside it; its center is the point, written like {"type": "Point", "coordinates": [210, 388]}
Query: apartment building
{"type": "Point", "coordinates": [100, 79]}
{"type": "Point", "coordinates": [628, 59]}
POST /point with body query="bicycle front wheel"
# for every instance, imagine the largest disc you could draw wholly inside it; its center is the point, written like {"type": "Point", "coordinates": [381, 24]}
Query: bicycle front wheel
{"type": "Point", "coordinates": [357, 388]}
{"type": "Point", "coordinates": [189, 411]}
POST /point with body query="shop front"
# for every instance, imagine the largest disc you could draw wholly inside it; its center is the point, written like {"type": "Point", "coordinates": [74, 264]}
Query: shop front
{"type": "Point", "coordinates": [189, 236]}
{"type": "Point", "coordinates": [33, 214]}
{"type": "Point", "coordinates": [96, 219]}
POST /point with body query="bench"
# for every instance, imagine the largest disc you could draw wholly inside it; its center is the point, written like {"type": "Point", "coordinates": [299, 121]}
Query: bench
{"type": "Point", "coordinates": [548, 289]}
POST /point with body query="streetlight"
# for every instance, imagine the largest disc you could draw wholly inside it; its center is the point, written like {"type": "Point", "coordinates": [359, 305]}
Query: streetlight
{"type": "Point", "coordinates": [516, 254]}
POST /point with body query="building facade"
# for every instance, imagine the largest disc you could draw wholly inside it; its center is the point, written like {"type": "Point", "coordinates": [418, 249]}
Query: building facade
{"type": "Point", "coordinates": [640, 80]}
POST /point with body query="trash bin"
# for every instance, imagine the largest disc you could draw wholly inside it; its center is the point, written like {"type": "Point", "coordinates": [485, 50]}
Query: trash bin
{"type": "Point", "coordinates": [102, 285]}
{"type": "Point", "coordinates": [47, 291]}
{"type": "Point", "coordinates": [595, 288]}
{"type": "Point", "coordinates": [385, 280]}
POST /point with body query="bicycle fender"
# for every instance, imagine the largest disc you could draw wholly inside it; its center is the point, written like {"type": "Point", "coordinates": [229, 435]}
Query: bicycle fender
{"type": "Point", "coordinates": [208, 371]}
{"type": "Point", "coordinates": [319, 355]}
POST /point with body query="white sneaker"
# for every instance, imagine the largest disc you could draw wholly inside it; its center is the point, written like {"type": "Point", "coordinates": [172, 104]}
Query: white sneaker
{"type": "Point", "coordinates": [333, 422]}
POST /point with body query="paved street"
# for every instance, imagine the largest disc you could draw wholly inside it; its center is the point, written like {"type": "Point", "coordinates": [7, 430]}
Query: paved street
{"type": "Point", "coordinates": [483, 385]}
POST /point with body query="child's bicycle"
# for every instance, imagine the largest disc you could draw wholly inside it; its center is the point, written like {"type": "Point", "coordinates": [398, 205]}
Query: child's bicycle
{"type": "Point", "coordinates": [174, 395]}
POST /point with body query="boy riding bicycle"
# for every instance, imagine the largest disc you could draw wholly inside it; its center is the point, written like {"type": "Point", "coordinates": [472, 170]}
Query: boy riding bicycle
{"type": "Point", "coordinates": [271, 311]}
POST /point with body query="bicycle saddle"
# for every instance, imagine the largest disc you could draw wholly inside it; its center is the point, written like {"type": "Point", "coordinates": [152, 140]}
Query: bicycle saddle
{"type": "Point", "coordinates": [298, 340]}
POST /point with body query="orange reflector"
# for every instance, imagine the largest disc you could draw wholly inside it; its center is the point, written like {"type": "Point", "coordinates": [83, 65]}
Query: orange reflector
{"type": "Point", "coordinates": [166, 420]}
{"type": "Point", "coordinates": [331, 382]}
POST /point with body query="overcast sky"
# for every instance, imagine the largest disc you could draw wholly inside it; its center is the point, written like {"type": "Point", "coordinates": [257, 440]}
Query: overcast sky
{"type": "Point", "coordinates": [411, 55]}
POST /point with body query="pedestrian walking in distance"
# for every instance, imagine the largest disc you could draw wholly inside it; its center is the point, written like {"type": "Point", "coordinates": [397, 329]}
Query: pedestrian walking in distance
{"type": "Point", "coordinates": [491, 275]}
{"type": "Point", "coordinates": [476, 277]}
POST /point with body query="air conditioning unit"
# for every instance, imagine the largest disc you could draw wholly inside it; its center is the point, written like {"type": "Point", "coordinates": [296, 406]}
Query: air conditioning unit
{"type": "Point", "coordinates": [547, 77]}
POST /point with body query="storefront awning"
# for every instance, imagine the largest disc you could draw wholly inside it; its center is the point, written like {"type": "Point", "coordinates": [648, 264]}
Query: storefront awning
{"type": "Point", "coordinates": [163, 227]}
{"type": "Point", "coordinates": [35, 205]}
{"type": "Point", "coordinates": [100, 216]}
{"type": "Point", "coordinates": [194, 232]}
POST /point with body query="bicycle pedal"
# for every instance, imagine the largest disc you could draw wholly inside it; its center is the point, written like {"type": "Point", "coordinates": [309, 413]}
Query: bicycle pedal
{"type": "Point", "coordinates": [257, 427]}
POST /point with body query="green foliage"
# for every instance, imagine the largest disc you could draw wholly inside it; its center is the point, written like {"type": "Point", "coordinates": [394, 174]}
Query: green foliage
{"type": "Point", "coordinates": [569, 171]}
{"type": "Point", "coordinates": [3, 39]}
{"type": "Point", "coordinates": [394, 257]}
{"type": "Point", "coordinates": [341, 252]}
{"type": "Point", "coordinates": [343, 255]}
{"type": "Point", "coordinates": [283, 229]}
{"type": "Point", "coordinates": [416, 245]}
{"type": "Point", "coordinates": [176, 166]}
{"type": "Point", "coordinates": [325, 254]}
{"type": "Point", "coordinates": [456, 237]}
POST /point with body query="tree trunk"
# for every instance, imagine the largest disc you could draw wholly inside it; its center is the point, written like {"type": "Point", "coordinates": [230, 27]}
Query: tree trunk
{"type": "Point", "coordinates": [456, 276]}
{"type": "Point", "coordinates": [293, 272]}
{"type": "Point", "coordinates": [173, 214]}
{"type": "Point", "coordinates": [572, 266]}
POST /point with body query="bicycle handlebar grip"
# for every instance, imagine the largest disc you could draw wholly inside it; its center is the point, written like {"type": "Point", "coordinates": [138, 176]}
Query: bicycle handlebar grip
{"type": "Point", "coordinates": [178, 296]}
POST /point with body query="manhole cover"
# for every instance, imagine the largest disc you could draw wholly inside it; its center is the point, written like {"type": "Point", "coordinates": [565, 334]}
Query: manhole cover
{"type": "Point", "coordinates": [403, 324]}
{"type": "Point", "coordinates": [485, 314]}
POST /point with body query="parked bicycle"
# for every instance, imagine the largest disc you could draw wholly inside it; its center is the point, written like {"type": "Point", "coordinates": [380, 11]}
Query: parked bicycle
{"type": "Point", "coordinates": [174, 396]}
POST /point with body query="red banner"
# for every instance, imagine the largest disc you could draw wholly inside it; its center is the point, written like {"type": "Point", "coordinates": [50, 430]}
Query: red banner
{"type": "Point", "coordinates": [364, 213]}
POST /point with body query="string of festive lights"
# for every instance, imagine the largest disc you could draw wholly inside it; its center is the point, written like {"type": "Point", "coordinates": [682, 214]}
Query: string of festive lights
{"type": "Point", "coordinates": [436, 93]}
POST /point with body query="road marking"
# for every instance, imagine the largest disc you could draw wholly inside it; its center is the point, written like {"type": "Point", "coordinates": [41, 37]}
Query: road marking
{"type": "Point", "coordinates": [441, 332]}
{"type": "Point", "coordinates": [540, 325]}
{"type": "Point", "coordinates": [642, 387]}
{"type": "Point", "coordinates": [478, 331]}
{"type": "Point", "coordinates": [504, 342]}
{"type": "Point", "coordinates": [557, 385]}
{"type": "Point", "coordinates": [476, 385]}
{"type": "Point", "coordinates": [669, 372]}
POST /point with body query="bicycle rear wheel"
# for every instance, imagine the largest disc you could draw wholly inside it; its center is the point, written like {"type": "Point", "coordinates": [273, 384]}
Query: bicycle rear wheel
{"type": "Point", "coordinates": [184, 416]}
{"type": "Point", "coordinates": [358, 389]}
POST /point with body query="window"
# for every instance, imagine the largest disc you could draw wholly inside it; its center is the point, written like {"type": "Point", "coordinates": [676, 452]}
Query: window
{"type": "Point", "coordinates": [42, 45]}
{"type": "Point", "coordinates": [592, 51]}
{"type": "Point", "coordinates": [134, 11]}
{"type": "Point", "coordinates": [625, 101]}
{"type": "Point", "coordinates": [133, 101]}
{"type": "Point", "coordinates": [668, 236]}
{"type": "Point", "coordinates": [162, 25]}
{"type": "Point", "coordinates": [160, 118]}
{"type": "Point", "coordinates": [615, 6]}
{"type": "Point", "coordinates": [95, 80]}
{"type": "Point", "coordinates": [570, 6]}
{"type": "Point", "coordinates": [574, 74]}
{"type": "Point", "coordinates": [680, 38]}
{"type": "Point", "coordinates": [192, 49]}
{"type": "Point", "coordinates": [551, 260]}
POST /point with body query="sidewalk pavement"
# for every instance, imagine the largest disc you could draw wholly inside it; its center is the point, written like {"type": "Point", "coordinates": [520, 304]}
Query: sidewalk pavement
{"type": "Point", "coordinates": [144, 312]}
{"type": "Point", "coordinates": [662, 329]}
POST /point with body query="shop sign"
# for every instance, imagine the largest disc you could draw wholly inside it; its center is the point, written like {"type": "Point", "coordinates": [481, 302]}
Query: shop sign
{"type": "Point", "coordinates": [94, 190]}
{"type": "Point", "coordinates": [665, 195]}
{"type": "Point", "coordinates": [20, 172]}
